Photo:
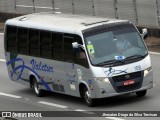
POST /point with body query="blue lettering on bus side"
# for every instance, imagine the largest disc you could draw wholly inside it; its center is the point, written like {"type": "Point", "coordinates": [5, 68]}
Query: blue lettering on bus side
{"type": "Point", "coordinates": [34, 67]}
{"type": "Point", "coordinates": [40, 67]}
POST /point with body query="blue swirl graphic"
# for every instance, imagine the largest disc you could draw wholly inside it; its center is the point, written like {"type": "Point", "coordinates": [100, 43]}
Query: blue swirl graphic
{"type": "Point", "coordinates": [22, 67]}
{"type": "Point", "coordinates": [112, 71]}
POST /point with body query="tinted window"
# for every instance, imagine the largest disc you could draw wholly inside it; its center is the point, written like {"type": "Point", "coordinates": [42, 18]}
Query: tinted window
{"type": "Point", "coordinates": [57, 39]}
{"type": "Point", "coordinates": [23, 46]}
{"type": "Point", "coordinates": [68, 49]}
{"type": "Point", "coordinates": [12, 39]}
{"type": "Point", "coordinates": [34, 42]}
{"type": "Point", "coordinates": [46, 44]}
{"type": "Point", "coordinates": [78, 39]}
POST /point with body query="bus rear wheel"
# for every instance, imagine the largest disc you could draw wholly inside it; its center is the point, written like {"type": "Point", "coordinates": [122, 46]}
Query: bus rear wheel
{"type": "Point", "coordinates": [86, 95]}
{"type": "Point", "coordinates": [36, 88]}
{"type": "Point", "coordinates": [141, 93]}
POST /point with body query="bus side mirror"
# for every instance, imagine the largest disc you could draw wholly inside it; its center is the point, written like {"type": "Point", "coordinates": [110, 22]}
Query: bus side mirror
{"type": "Point", "coordinates": [75, 45]}
{"type": "Point", "coordinates": [144, 33]}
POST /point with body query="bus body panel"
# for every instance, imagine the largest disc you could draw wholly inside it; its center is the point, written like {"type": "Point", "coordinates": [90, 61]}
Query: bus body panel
{"type": "Point", "coordinates": [65, 77]}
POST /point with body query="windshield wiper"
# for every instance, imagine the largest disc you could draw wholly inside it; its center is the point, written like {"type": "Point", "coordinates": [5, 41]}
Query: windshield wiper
{"type": "Point", "coordinates": [111, 62]}
{"type": "Point", "coordinates": [135, 57]}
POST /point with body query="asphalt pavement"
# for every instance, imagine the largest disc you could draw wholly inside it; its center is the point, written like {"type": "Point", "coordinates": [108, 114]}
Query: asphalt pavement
{"type": "Point", "coordinates": [17, 97]}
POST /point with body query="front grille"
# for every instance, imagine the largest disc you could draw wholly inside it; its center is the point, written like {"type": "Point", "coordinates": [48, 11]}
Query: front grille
{"type": "Point", "coordinates": [129, 87]}
{"type": "Point", "coordinates": [123, 77]}
{"type": "Point", "coordinates": [117, 81]}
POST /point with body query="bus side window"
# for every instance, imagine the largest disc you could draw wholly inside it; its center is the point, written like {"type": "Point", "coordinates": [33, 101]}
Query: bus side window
{"type": "Point", "coordinates": [80, 54]}
{"type": "Point", "coordinates": [68, 49]}
{"type": "Point", "coordinates": [12, 45]}
{"type": "Point", "coordinates": [46, 44]}
{"type": "Point", "coordinates": [23, 46]}
{"type": "Point", "coordinates": [34, 48]}
{"type": "Point", "coordinates": [57, 46]}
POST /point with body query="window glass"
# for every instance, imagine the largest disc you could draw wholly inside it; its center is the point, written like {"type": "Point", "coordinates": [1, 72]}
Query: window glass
{"type": "Point", "coordinates": [23, 46]}
{"type": "Point", "coordinates": [12, 39]}
{"type": "Point", "coordinates": [80, 57]}
{"type": "Point", "coordinates": [68, 49]}
{"type": "Point", "coordinates": [57, 39]}
{"type": "Point", "coordinates": [34, 42]}
{"type": "Point", "coordinates": [110, 45]}
{"type": "Point", "coordinates": [46, 44]}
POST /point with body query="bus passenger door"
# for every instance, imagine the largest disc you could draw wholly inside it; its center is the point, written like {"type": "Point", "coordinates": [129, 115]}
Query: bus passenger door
{"type": "Point", "coordinates": [71, 76]}
{"type": "Point", "coordinates": [58, 63]}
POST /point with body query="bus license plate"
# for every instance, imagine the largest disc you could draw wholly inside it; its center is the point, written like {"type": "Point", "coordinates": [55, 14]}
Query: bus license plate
{"type": "Point", "coordinates": [128, 82]}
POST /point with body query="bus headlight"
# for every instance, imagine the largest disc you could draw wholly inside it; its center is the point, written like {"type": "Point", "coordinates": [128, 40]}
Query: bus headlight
{"type": "Point", "coordinates": [104, 79]}
{"type": "Point", "coordinates": [146, 71]}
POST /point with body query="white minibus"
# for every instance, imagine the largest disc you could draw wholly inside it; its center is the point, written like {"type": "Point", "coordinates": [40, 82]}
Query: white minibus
{"type": "Point", "coordinates": [77, 55]}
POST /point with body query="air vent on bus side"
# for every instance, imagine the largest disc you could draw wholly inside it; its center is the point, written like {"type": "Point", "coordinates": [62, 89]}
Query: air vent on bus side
{"type": "Point", "coordinates": [59, 88]}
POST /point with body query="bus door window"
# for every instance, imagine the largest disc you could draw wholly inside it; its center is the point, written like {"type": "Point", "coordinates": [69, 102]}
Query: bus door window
{"type": "Point", "coordinates": [68, 50]}
{"type": "Point", "coordinates": [80, 57]}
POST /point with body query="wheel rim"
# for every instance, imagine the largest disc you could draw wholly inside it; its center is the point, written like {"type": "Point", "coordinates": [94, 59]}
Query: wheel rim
{"type": "Point", "coordinates": [36, 87]}
{"type": "Point", "coordinates": [87, 97]}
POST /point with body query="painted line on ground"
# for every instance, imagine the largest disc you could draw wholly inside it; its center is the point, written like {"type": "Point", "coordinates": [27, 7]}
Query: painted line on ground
{"type": "Point", "coordinates": [114, 118]}
{"type": "Point", "coordinates": [79, 110]}
{"type": "Point", "coordinates": [2, 60]}
{"type": "Point", "coordinates": [10, 95]}
{"type": "Point", "coordinates": [52, 104]}
{"type": "Point", "coordinates": [1, 33]}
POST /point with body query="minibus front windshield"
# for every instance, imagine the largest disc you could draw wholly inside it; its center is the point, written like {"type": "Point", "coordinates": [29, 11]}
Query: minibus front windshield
{"type": "Point", "coordinates": [115, 45]}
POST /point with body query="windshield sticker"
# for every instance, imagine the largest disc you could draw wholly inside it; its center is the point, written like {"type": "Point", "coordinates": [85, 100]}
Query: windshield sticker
{"type": "Point", "coordinates": [112, 72]}
{"type": "Point", "coordinates": [119, 58]}
{"type": "Point", "coordinates": [90, 49]}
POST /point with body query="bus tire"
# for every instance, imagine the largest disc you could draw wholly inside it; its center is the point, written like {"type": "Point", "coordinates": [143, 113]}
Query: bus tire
{"type": "Point", "coordinates": [141, 93]}
{"type": "Point", "coordinates": [36, 88]}
{"type": "Point", "coordinates": [89, 102]}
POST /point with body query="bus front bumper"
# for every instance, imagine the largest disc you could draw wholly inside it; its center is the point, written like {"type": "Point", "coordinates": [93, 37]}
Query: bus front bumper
{"type": "Point", "coordinates": [107, 89]}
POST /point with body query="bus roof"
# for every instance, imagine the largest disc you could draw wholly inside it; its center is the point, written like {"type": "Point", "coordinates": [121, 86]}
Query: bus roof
{"type": "Point", "coordinates": [59, 22]}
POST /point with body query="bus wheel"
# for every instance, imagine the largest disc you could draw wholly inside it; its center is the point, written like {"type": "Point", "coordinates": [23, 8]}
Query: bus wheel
{"type": "Point", "coordinates": [36, 88]}
{"type": "Point", "coordinates": [89, 102]}
{"type": "Point", "coordinates": [141, 93]}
